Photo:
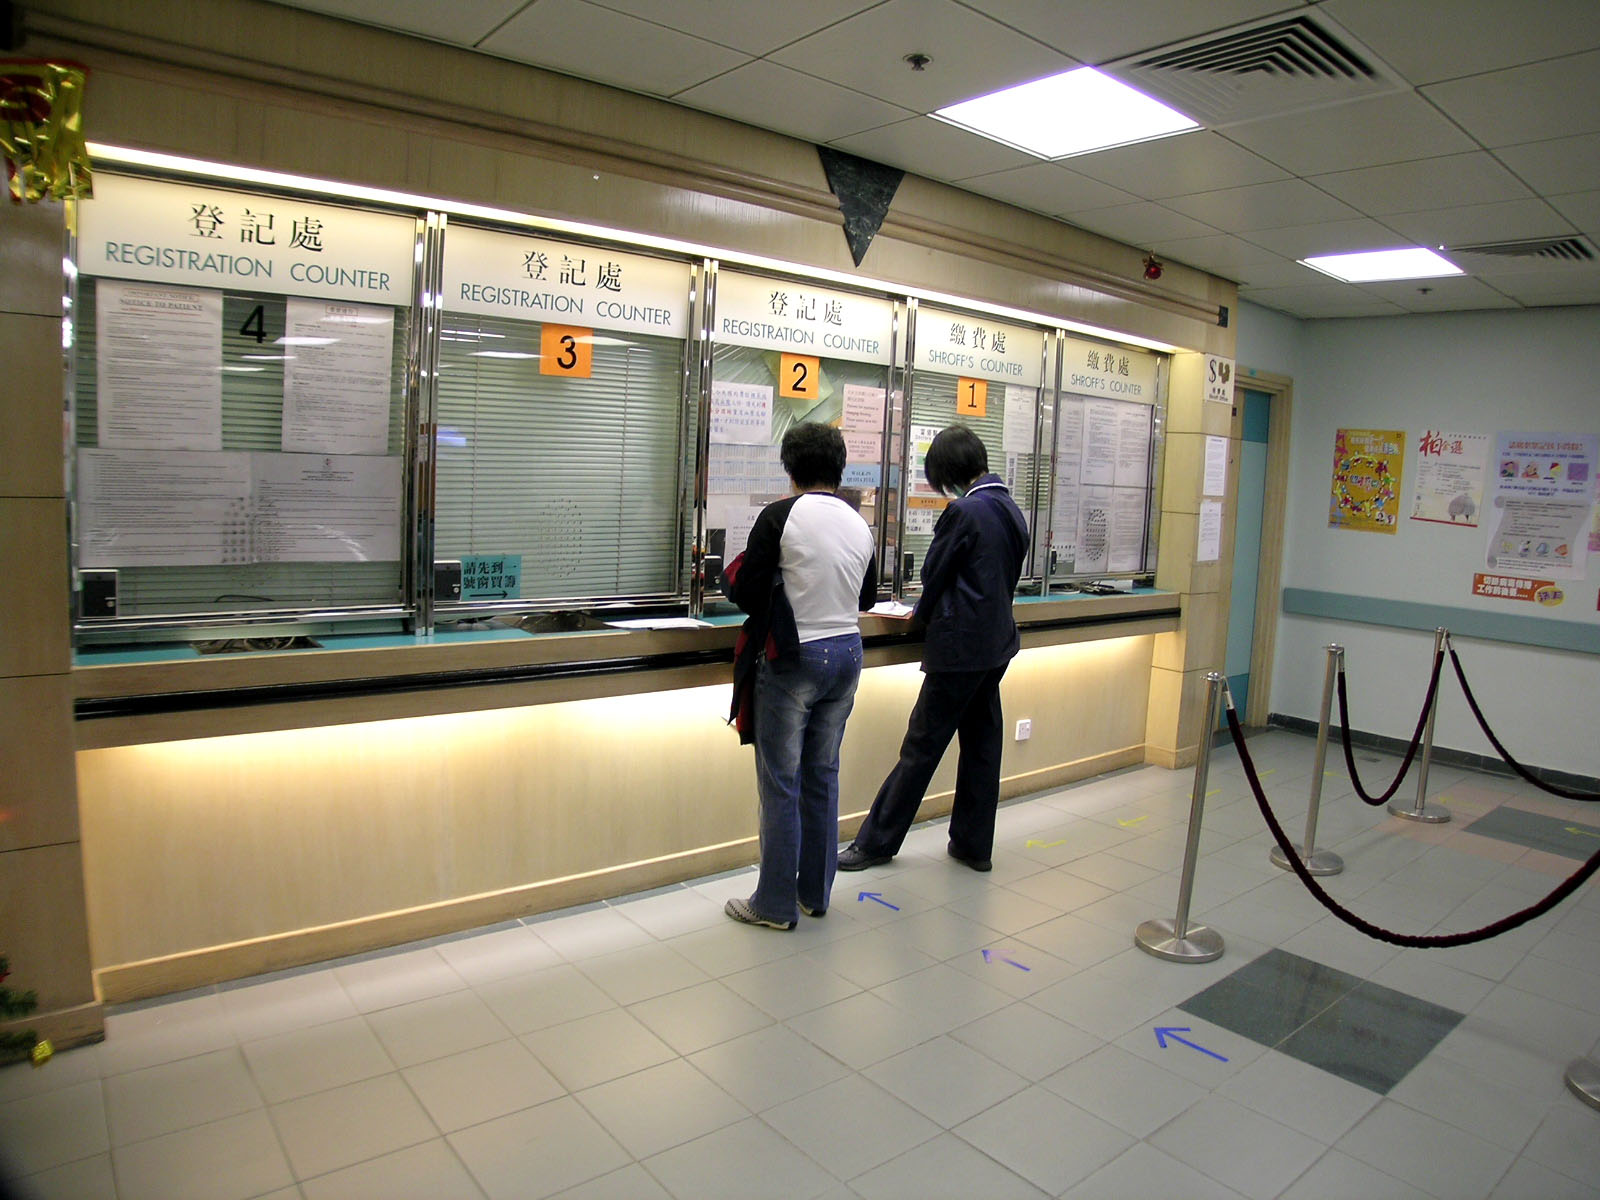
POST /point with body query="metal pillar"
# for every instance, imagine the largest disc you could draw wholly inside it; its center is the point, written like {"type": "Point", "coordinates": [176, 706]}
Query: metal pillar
{"type": "Point", "coordinates": [1583, 1081]}
{"type": "Point", "coordinates": [1431, 814]}
{"type": "Point", "coordinates": [1317, 862]}
{"type": "Point", "coordinates": [1176, 939]}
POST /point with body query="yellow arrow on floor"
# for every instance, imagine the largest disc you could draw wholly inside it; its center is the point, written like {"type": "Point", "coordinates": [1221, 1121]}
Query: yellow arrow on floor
{"type": "Point", "coordinates": [1134, 821]}
{"type": "Point", "coordinates": [1581, 832]}
{"type": "Point", "coordinates": [1035, 843]}
{"type": "Point", "coordinates": [1212, 792]}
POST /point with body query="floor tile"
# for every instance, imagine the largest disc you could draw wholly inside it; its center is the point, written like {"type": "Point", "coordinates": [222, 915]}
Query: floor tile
{"type": "Point", "coordinates": [1268, 999]}
{"type": "Point", "coordinates": [863, 1029]}
{"type": "Point", "coordinates": [538, 1151]}
{"type": "Point", "coordinates": [595, 1049]}
{"type": "Point", "coordinates": [433, 1028]}
{"type": "Point", "coordinates": [945, 1166]}
{"type": "Point", "coordinates": [746, 1161]}
{"type": "Point", "coordinates": [553, 996]}
{"type": "Point", "coordinates": [1337, 1176]}
{"type": "Point", "coordinates": [1527, 1180]}
{"type": "Point", "coordinates": [640, 972]}
{"type": "Point", "coordinates": [870, 958]}
{"type": "Point", "coordinates": [633, 1182]}
{"type": "Point", "coordinates": [1456, 1095]}
{"type": "Point", "coordinates": [232, 1159]}
{"type": "Point", "coordinates": [333, 1129]}
{"type": "Point", "coordinates": [1122, 1088]}
{"type": "Point", "coordinates": [669, 914]}
{"type": "Point", "coordinates": [1049, 1142]}
{"type": "Point", "coordinates": [391, 979]}
{"type": "Point", "coordinates": [943, 997]}
{"type": "Point", "coordinates": [851, 1125]}
{"type": "Point", "coordinates": [1565, 1141]}
{"type": "Point", "coordinates": [161, 1033]}
{"type": "Point", "coordinates": [86, 1179]}
{"type": "Point", "coordinates": [790, 986]}
{"type": "Point", "coordinates": [768, 1067]}
{"type": "Point", "coordinates": [1253, 1155]}
{"type": "Point", "coordinates": [699, 1016]}
{"type": "Point", "coordinates": [289, 1004]}
{"type": "Point", "coordinates": [945, 1081]}
{"type": "Point", "coordinates": [1145, 1171]}
{"type": "Point", "coordinates": [591, 934]}
{"type": "Point", "coordinates": [81, 1064]}
{"type": "Point", "coordinates": [192, 1091]}
{"type": "Point", "coordinates": [661, 1107]}
{"type": "Point", "coordinates": [430, 1171]}
{"type": "Point", "coordinates": [489, 956]}
{"type": "Point", "coordinates": [1024, 1039]}
{"type": "Point", "coordinates": [316, 1059]}
{"type": "Point", "coordinates": [1372, 1036]}
{"type": "Point", "coordinates": [1303, 1097]}
{"type": "Point", "coordinates": [1426, 1153]}
{"type": "Point", "coordinates": [44, 1131]}
{"type": "Point", "coordinates": [1560, 835]}
{"type": "Point", "coordinates": [481, 1084]}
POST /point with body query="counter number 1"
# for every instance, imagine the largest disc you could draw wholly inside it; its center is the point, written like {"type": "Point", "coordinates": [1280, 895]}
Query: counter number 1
{"type": "Point", "coordinates": [972, 397]}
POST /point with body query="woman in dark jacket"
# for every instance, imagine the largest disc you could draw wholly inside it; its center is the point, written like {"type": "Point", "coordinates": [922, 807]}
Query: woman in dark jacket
{"type": "Point", "coordinates": [968, 578]}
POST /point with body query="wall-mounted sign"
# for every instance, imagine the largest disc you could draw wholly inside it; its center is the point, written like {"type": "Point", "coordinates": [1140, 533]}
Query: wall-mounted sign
{"type": "Point", "coordinates": [1114, 372]}
{"type": "Point", "coordinates": [1367, 469]}
{"type": "Point", "coordinates": [1507, 587]}
{"type": "Point", "coordinates": [532, 278]}
{"type": "Point", "coordinates": [202, 235]}
{"type": "Point", "coordinates": [801, 319]}
{"type": "Point", "coordinates": [1219, 379]}
{"type": "Point", "coordinates": [976, 347]}
{"type": "Point", "coordinates": [566, 350]}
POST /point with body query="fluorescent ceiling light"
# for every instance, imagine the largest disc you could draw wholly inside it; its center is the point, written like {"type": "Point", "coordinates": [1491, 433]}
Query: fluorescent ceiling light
{"type": "Point", "coordinates": [1371, 266]}
{"type": "Point", "coordinates": [1071, 113]}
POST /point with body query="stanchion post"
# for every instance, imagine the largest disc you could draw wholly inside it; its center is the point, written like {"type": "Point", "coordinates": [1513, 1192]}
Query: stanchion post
{"type": "Point", "coordinates": [1431, 814]}
{"type": "Point", "coordinates": [1583, 1080]}
{"type": "Point", "coordinates": [1318, 862]}
{"type": "Point", "coordinates": [1176, 940]}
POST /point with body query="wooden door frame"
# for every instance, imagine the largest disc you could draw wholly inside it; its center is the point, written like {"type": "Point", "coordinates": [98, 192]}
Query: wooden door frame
{"type": "Point", "coordinates": [1269, 574]}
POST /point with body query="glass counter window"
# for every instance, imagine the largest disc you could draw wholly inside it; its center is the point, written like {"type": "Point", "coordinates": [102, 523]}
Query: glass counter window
{"type": "Point", "coordinates": [985, 374]}
{"type": "Point", "coordinates": [563, 434]}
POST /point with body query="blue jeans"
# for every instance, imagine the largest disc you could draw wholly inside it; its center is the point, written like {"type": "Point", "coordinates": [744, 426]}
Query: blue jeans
{"type": "Point", "coordinates": [800, 709]}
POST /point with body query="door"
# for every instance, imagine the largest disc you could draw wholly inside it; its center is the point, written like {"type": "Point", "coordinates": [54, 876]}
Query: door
{"type": "Point", "coordinates": [1250, 505]}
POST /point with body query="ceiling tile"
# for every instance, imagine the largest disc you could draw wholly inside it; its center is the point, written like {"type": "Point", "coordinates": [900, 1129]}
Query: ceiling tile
{"type": "Point", "coordinates": [1525, 104]}
{"type": "Point", "coordinates": [1093, 31]}
{"type": "Point", "coordinates": [1262, 206]}
{"type": "Point", "coordinates": [1322, 300]}
{"type": "Point", "coordinates": [1048, 188]}
{"type": "Point", "coordinates": [1280, 273]}
{"type": "Point", "coordinates": [753, 28]}
{"type": "Point", "coordinates": [1546, 290]}
{"type": "Point", "coordinates": [971, 55]}
{"type": "Point", "coordinates": [1427, 183]}
{"type": "Point", "coordinates": [1221, 253]}
{"type": "Point", "coordinates": [1438, 295]}
{"type": "Point", "coordinates": [1570, 164]}
{"type": "Point", "coordinates": [1510, 220]}
{"type": "Point", "coordinates": [461, 21]}
{"type": "Point", "coordinates": [1430, 40]}
{"type": "Point", "coordinates": [1139, 224]}
{"type": "Point", "coordinates": [582, 39]}
{"type": "Point", "coordinates": [1177, 166]}
{"type": "Point", "coordinates": [1327, 237]}
{"type": "Point", "coordinates": [773, 97]}
{"type": "Point", "coordinates": [1363, 133]}
{"type": "Point", "coordinates": [1581, 208]}
{"type": "Point", "coordinates": [933, 149]}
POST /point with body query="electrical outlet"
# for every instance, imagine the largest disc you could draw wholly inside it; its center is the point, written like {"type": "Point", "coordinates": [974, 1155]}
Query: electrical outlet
{"type": "Point", "coordinates": [1024, 729]}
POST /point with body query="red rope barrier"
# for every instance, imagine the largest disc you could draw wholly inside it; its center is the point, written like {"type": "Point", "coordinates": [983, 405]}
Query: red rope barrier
{"type": "Point", "coordinates": [1411, 750]}
{"type": "Point", "coordinates": [1472, 703]}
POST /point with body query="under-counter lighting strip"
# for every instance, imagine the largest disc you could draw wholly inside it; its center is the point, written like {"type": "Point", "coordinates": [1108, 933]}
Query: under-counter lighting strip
{"type": "Point", "coordinates": [235, 174]}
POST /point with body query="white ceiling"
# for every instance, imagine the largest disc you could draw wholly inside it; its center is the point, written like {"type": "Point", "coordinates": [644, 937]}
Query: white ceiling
{"type": "Point", "coordinates": [1481, 123]}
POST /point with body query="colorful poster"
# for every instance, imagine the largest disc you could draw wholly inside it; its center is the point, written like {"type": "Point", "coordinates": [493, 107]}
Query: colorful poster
{"type": "Point", "coordinates": [1506, 587]}
{"type": "Point", "coordinates": [1449, 488]}
{"type": "Point", "coordinates": [1367, 469]}
{"type": "Point", "coordinates": [1540, 520]}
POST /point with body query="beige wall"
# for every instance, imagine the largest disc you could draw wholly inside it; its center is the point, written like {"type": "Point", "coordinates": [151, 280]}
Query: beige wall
{"type": "Point", "coordinates": [42, 928]}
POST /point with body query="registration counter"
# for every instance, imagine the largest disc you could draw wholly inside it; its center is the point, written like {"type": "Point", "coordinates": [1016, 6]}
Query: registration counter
{"type": "Point", "coordinates": [246, 812]}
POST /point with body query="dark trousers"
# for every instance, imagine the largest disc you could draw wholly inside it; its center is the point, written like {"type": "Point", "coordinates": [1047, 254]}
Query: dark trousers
{"type": "Point", "coordinates": [961, 704]}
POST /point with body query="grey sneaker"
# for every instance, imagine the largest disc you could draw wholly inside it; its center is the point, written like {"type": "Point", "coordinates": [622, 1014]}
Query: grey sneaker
{"type": "Point", "coordinates": [741, 911]}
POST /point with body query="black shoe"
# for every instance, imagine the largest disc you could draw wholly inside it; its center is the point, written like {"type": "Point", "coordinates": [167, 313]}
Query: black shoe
{"type": "Point", "coordinates": [854, 858]}
{"type": "Point", "coordinates": [977, 864]}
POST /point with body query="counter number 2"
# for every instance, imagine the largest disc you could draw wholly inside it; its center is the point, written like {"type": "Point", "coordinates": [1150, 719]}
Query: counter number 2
{"type": "Point", "coordinates": [972, 397]}
{"type": "Point", "coordinates": [799, 376]}
{"type": "Point", "coordinates": [566, 350]}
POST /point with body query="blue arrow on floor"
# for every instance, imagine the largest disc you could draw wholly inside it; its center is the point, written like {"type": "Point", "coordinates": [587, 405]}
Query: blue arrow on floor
{"type": "Point", "coordinates": [1163, 1032]}
{"type": "Point", "coordinates": [878, 896]}
{"type": "Point", "coordinates": [988, 955]}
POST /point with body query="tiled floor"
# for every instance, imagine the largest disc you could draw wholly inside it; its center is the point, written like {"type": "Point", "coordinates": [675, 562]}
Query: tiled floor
{"type": "Point", "coordinates": [955, 1035]}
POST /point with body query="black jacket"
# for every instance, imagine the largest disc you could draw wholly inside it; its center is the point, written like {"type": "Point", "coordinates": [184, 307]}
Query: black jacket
{"type": "Point", "coordinates": [969, 576]}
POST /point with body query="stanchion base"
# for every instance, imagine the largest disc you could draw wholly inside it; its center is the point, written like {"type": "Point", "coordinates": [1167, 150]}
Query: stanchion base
{"type": "Point", "coordinates": [1583, 1080]}
{"type": "Point", "coordinates": [1199, 944]}
{"type": "Point", "coordinates": [1431, 814]}
{"type": "Point", "coordinates": [1321, 862]}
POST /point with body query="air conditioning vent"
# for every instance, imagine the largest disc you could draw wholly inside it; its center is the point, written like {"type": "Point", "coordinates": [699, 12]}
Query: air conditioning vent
{"type": "Point", "coordinates": [1267, 68]}
{"type": "Point", "coordinates": [1565, 249]}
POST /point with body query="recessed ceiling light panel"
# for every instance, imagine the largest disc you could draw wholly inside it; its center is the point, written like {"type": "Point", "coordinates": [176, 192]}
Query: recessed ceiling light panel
{"type": "Point", "coordinates": [1373, 266]}
{"type": "Point", "coordinates": [1075, 112]}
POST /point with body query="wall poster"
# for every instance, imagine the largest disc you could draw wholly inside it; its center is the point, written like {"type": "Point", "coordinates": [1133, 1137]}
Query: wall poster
{"type": "Point", "coordinates": [1449, 484]}
{"type": "Point", "coordinates": [1543, 504]}
{"type": "Point", "coordinates": [1367, 469]}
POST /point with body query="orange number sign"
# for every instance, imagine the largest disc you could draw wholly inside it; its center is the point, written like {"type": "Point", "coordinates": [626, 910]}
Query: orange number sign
{"type": "Point", "coordinates": [972, 397]}
{"type": "Point", "coordinates": [566, 350]}
{"type": "Point", "coordinates": [798, 376]}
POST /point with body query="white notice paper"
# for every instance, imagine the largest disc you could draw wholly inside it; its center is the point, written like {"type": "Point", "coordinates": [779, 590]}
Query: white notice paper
{"type": "Point", "coordinates": [863, 409]}
{"type": "Point", "coordinates": [1100, 428]}
{"type": "Point", "coordinates": [741, 413]}
{"type": "Point", "coordinates": [1094, 531]}
{"type": "Point", "coordinates": [159, 366]}
{"type": "Point", "coordinates": [1216, 479]}
{"type": "Point", "coordinates": [1017, 432]}
{"type": "Point", "coordinates": [1208, 547]}
{"type": "Point", "coordinates": [1127, 529]}
{"type": "Point", "coordinates": [139, 508]}
{"type": "Point", "coordinates": [336, 377]}
{"type": "Point", "coordinates": [1133, 445]}
{"type": "Point", "coordinates": [326, 508]}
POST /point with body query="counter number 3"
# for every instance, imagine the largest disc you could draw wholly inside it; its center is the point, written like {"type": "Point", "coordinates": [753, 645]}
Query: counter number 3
{"type": "Point", "coordinates": [566, 350]}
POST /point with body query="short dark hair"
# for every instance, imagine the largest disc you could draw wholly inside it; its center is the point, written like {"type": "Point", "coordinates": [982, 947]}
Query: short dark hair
{"type": "Point", "coordinates": [813, 454]}
{"type": "Point", "coordinates": [956, 457]}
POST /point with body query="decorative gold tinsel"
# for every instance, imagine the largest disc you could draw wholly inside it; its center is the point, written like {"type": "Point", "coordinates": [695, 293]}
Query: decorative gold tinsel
{"type": "Point", "coordinates": [41, 130]}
